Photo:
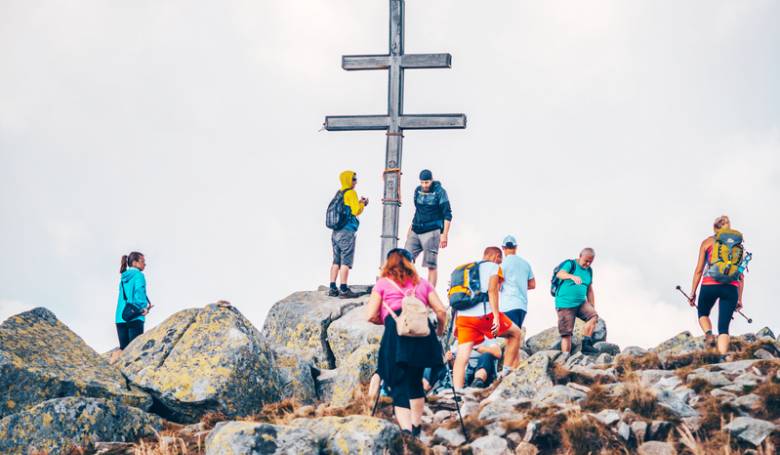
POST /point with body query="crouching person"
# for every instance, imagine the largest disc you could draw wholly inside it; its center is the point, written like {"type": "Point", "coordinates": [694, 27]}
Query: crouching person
{"type": "Point", "coordinates": [574, 298]}
{"type": "Point", "coordinates": [402, 359]}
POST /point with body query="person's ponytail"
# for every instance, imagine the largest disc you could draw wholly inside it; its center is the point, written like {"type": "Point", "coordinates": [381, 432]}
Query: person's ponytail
{"type": "Point", "coordinates": [123, 265]}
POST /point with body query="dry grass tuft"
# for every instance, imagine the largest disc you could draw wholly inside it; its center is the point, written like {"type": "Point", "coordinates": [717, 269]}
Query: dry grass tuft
{"type": "Point", "coordinates": [474, 426]}
{"type": "Point", "coordinates": [170, 443]}
{"type": "Point", "coordinates": [769, 392]}
{"type": "Point", "coordinates": [692, 360]}
{"type": "Point", "coordinates": [745, 350]}
{"type": "Point", "coordinates": [582, 435]}
{"type": "Point", "coordinates": [626, 363]}
{"type": "Point", "coordinates": [634, 396]}
{"type": "Point", "coordinates": [211, 419]}
{"type": "Point", "coordinates": [275, 413]}
{"type": "Point", "coordinates": [700, 386]}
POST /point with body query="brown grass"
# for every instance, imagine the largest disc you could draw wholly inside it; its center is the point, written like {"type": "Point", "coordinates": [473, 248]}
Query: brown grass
{"type": "Point", "coordinates": [769, 392]}
{"type": "Point", "coordinates": [634, 396]}
{"type": "Point", "coordinates": [562, 376]}
{"type": "Point", "coordinates": [582, 435]}
{"type": "Point", "coordinates": [211, 419]}
{"type": "Point", "coordinates": [170, 443]}
{"type": "Point", "coordinates": [626, 364]}
{"type": "Point", "coordinates": [743, 350]}
{"type": "Point", "coordinates": [692, 360]}
{"type": "Point", "coordinates": [474, 426]}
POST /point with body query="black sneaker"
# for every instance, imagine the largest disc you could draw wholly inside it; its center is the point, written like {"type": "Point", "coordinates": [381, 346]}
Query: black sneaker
{"type": "Point", "coordinates": [348, 294]}
{"type": "Point", "coordinates": [333, 292]}
{"type": "Point", "coordinates": [416, 431]}
{"type": "Point", "coordinates": [587, 346]}
{"type": "Point", "coordinates": [478, 383]}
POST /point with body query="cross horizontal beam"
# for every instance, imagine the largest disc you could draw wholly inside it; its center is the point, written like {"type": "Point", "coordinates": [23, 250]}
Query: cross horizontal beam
{"type": "Point", "coordinates": [407, 61]}
{"type": "Point", "coordinates": [406, 122]}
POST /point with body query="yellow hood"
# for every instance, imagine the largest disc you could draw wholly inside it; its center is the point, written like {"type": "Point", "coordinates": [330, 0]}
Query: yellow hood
{"type": "Point", "coordinates": [346, 180]}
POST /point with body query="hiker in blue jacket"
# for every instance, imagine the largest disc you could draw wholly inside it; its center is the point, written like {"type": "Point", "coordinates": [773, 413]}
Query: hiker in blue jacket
{"type": "Point", "coordinates": [132, 290]}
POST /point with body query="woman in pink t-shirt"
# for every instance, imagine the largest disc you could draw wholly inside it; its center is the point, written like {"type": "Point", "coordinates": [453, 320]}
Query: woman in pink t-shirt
{"type": "Point", "coordinates": [402, 359]}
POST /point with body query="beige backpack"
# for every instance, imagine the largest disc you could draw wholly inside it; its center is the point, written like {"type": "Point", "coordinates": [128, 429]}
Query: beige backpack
{"type": "Point", "coordinates": [413, 321]}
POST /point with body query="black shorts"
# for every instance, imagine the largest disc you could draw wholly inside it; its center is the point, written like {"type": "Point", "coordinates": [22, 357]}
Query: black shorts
{"type": "Point", "coordinates": [727, 294]}
{"type": "Point", "coordinates": [128, 331]}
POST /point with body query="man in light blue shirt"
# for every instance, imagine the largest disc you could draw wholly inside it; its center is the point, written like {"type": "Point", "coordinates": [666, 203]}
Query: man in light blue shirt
{"type": "Point", "coordinates": [518, 279]}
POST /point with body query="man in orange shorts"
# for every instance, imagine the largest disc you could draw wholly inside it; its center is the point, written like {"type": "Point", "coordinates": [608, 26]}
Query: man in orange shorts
{"type": "Point", "coordinates": [484, 320]}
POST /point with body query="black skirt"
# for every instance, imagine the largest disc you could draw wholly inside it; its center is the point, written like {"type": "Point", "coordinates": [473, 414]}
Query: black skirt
{"type": "Point", "coordinates": [397, 352]}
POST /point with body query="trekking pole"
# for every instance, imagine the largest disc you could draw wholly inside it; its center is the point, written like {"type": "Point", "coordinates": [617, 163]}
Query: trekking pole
{"type": "Point", "coordinates": [456, 399]}
{"type": "Point", "coordinates": [378, 395]}
{"type": "Point", "coordinates": [683, 293]}
{"type": "Point", "coordinates": [749, 320]}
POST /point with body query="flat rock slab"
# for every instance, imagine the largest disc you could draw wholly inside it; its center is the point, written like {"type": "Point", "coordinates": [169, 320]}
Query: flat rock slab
{"type": "Point", "coordinates": [750, 430]}
{"type": "Point", "coordinates": [361, 435]}
{"type": "Point", "coordinates": [56, 426]}
{"type": "Point", "coordinates": [531, 377]}
{"type": "Point", "coordinates": [41, 359]}
{"type": "Point", "coordinates": [209, 359]}
{"type": "Point", "coordinates": [250, 438]}
{"type": "Point", "coordinates": [656, 448]}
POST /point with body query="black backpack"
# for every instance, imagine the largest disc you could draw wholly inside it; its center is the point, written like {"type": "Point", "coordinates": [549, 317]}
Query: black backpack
{"type": "Point", "coordinates": [555, 282]}
{"type": "Point", "coordinates": [336, 217]}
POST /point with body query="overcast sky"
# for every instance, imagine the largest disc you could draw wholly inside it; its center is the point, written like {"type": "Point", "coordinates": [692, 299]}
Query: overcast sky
{"type": "Point", "coordinates": [188, 130]}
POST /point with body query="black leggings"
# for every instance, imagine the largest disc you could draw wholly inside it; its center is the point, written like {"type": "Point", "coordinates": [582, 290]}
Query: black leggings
{"type": "Point", "coordinates": [728, 295]}
{"type": "Point", "coordinates": [128, 331]}
{"type": "Point", "coordinates": [408, 386]}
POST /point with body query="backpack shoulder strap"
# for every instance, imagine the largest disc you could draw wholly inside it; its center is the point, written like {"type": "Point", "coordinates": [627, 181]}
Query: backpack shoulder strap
{"type": "Point", "coordinates": [572, 265]}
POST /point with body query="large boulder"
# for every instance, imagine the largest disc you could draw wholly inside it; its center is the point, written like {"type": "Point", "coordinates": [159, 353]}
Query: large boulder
{"type": "Point", "coordinates": [41, 358]}
{"type": "Point", "coordinates": [298, 375]}
{"type": "Point", "coordinates": [249, 438]}
{"type": "Point", "coordinates": [550, 339]}
{"type": "Point", "coordinates": [351, 332]}
{"type": "Point", "coordinates": [338, 386]}
{"type": "Point", "coordinates": [355, 434]}
{"type": "Point", "coordinates": [750, 430]}
{"type": "Point", "coordinates": [532, 377]}
{"type": "Point", "coordinates": [201, 360]}
{"type": "Point", "coordinates": [301, 321]}
{"type": "Point", "coordinates": [682, 343]}
{"type": "Point", "coordinates": [56, 426]}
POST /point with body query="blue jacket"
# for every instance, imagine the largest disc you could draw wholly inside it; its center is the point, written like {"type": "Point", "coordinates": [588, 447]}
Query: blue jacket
{"type": "Point", "coordinates": [134, 285]}
{"type": "Point", "coordinates": [431, 209]}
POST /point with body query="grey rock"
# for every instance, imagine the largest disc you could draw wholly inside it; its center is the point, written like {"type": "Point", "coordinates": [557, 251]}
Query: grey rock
{"type": "Point", "coordinates": [490, 445]}
{"type": "Point", "coordinates": [558, 395]}
{"type": "Point", "coordinates": [650, 378]}
{"type": "Point", "coordinates": [713, 378]}
{"type": "Point", "coordinates": [750, 430]}
{"type": "Point", "coordinates": [453, 437]}
{"type": "Point", "coordinates": [744, 383]}
{"type": "Point", "coordinates": [439, 449]}
{"type": "Point", "coordinates": [763, 354]}
{"type": "Point", "coordinates": [531, 430]}
{"type": "Point", "coordinates": [496, 428]}
{"type": "Point", "coordinates": [351, 332]}
{"type": "Point", "coordinates": [441, 416]}
{"type": "Point", "coordinates": [639, 428]}
{"type": "Point", "coordinates": [656, 448]}
{"type": "Point", "coordinates": [296, 375]}
{"type": "Point", "coordinates": [202, 360]}
{"type": "Point", "coordinates": [765, 332]}
{"type": "Point", "coordinates": [675, 403]}
{"type": "Point", "coordinates": [624, 431]}
{"type": "Point", "coordinates": [608, 416]}
{"type": "Point", "coordinates": [551, 354]}
{"type": "Point", "coordinates": [525, 448]}
{"type": "Point", "coordinates": [681, 343]}
{"type": "Point", "coordinates": [735, 367]}
{"type": "Point", "coordinates": [343, 435]}
{"type": "Point", "coordinates": [604, 347]}
{"type": "Point", "coordinates": [41, 359]}
{"type": "Point", "coordinates": [723, 395]}
{"type": "Point", "coordinates": [749, 402]}
{"type": "Point", "coordinates": [595, 374]}
{"type": "Point", "coordinates": [503, 409]}
{"type": "Point", "coordinates": [530, 377]}
{"type": "Point", "coordinates": [659, 430]}
{"type": "Point", "coordinates": [337, 386]}
{"type": "Point", "coordinates": [248, 438]}
{"type": "Point", "coordinates": [604, 359]}
{"type": "Point", "coordinates": [55, 425]}
{"type": "Point", "coordinates": [550, 339]}
{"type": "Point", "coordinates": [634, 351]}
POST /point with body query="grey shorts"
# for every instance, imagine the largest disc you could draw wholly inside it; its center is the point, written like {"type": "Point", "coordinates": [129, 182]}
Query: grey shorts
{"type": "Point", "coordinates": [426, 243]}
{"type": "Point", "coordinates": [343, 242]}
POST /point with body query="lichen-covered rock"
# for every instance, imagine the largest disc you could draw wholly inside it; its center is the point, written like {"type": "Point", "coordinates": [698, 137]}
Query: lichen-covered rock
{"type": "Point", "coordinates": [41, 358]}
{"type": "Point", "coordinates": [550, 339]}
{"type": "Point", "coordinates": [682, 343]}
{"type": "Point", "coordinates": [354, 434]}
{"type": "Point", "coordinates": [250, 438]}
{"type": "Point", "coordinates": [531, 377]}
{"type": "Point", "coordinates": [490, 445]}
{"type": "Point", "coordinates": [297, 375]}
{"type": "Point", "coordinates": [300, 323]}
{"type": "Point", "coordinates": [351, 332]}
{"type": "Point", "coordinates": [56, 425]}
{"type": "Point", "coordinates": [210, 359]}
{"type": "Point", "coordinates": [765, 332]}
{"type": "Point", "coordinates": [337, 386]}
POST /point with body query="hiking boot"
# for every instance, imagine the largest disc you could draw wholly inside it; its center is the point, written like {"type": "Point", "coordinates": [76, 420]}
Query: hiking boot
{"type": "Point", "coordinates": [710, 340]}
{"type": "Point", "coordinates": [348, 294]}
{"type": "Point", "coordinates": [333, 292]}
{"type": "Point", "coordinates": [478, 383]}
{"type": "Point", "coordinates": [416, 431]}
{"type": "Point", "coordinates": [587, 346]}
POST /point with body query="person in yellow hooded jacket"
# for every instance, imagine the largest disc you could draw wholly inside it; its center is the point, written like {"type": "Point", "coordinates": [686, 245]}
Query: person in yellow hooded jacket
{"type": "Point", "coordinates": [343, 240]}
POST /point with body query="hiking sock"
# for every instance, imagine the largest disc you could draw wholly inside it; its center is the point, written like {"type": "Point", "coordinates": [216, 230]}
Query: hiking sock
{"type": "Point", "coordinates": [333, 286]}
{"type": "Point", "coordinates": [343, 287]}
{"type": "Point", "coordinates": [416, 430]}
{"type": "Point", "coordinates": [708, 332]}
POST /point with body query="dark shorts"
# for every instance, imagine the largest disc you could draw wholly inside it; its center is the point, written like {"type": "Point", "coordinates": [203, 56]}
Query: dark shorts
{"type": "Point", "coordinates": [426, 243]}
{"type": "Point", "coordinates": [517, 316]}
{"type": "Point", "coordinates": [128, 331]}
{"type": "Point", "coordinates": [567, 316]}
{"type": "Point", "coordinates": [727, 295]}
{"type": "Point", "coordinates": [343, 243]}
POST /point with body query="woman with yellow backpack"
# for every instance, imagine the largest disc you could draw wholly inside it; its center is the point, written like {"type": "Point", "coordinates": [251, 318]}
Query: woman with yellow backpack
{"type": "Point", "coordinates": [722, 259]}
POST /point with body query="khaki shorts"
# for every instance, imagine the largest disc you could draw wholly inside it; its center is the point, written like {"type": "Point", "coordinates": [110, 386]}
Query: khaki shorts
{"type": "Point", "coordinates": [426, 243]}
{"type": "Point", "coordinates": [566, 317]}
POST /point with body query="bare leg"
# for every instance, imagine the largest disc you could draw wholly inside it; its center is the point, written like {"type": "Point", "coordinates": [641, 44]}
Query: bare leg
{"type": "Point", "coordinates": [404, 416]}
{"type": "Point", "coordinates": [512, 356]}
{"type": "Point", "coordinates": [344, 274]}
{"type": "Point", "coordinates": [566, 343]}
{"type": "Point", "coordinates": [723, 343]}
{"type": "Point", "coordinates": [705, 324]}
{"type": "Point", "coordinates": [481, 374]}
{"type": "Point", "coordinates": [590, 326]}
{"type": "Point", "coordinates": [334, 272]}
{"type": "Point", "coordinates": [461, 361]}
{"type": "Point", "coordinates": [433, 275]}
{"type": "Point", "coordinates": [373, 387]}
{"type": "Point", "coordinates": [418, 404]}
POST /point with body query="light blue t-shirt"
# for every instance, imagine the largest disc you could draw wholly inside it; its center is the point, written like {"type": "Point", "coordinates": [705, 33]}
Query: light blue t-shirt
{"type": "Point", "coordinates": [514, 293]}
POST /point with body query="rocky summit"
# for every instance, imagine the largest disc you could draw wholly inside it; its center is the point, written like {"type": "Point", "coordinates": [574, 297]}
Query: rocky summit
{"type": "Point", "coordinates": [205, 381]}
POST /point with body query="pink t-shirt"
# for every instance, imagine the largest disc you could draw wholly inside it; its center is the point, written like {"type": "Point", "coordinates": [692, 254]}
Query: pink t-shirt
{"type": "Point", "coordinates": [393, 297]}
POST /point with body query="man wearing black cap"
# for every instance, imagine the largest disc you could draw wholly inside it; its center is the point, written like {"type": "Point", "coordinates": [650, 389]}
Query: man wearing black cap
{"type": "Point", "coordinates": [431, 224]}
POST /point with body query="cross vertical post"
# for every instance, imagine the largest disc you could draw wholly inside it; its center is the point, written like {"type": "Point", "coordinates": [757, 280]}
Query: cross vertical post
{"type": "Point", "coordinates": [395, 121]}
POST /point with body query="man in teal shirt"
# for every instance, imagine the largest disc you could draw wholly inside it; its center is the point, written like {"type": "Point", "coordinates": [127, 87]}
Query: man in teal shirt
{"type": "Point", "coordinates": [575, 299]}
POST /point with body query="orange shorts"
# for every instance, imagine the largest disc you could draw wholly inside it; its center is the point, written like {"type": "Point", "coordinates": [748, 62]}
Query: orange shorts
{"type": "Point", "coordinates": [474, 329]}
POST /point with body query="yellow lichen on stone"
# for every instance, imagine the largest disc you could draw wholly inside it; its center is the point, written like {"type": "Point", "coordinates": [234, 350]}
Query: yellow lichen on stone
{"type": "Point", "coordinates": [10, 404]}
{"type": "Point", "coordinates": [46, 419]}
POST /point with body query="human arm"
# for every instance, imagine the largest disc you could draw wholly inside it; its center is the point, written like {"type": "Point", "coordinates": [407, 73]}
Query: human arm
{"type": "Point", "coordinates": [493, 349]}
{"type": "Point", "coordinates": [446, 211]}
{"type": "Point", "coordinates": [438, 308]}
{"type": "Point", "coordinates": [373, 314]}
{"type": "Point", "coordinates": [445, 235]}
{"type": "Point", "coordinates": [532, 284]}
{"type": "Point", "coordinates": [739, 291]}
{"type": "Point", "coordinates": [564, 275]}
{"type": "Point", "coordinates": [698, 272]}
{"type": "Point", "coordinates": [494, 288]}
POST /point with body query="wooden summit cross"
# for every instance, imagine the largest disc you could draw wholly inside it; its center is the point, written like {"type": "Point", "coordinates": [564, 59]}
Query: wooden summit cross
{"type": "Point", "coordinates": [395, 121]}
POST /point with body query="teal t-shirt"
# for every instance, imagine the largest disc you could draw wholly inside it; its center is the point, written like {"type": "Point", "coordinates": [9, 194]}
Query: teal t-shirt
{"type": "Point", "coordinates": [570, 294]}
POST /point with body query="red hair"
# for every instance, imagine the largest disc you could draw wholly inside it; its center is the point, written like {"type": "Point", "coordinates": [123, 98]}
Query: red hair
{"type": "Point", "coordinates": [400, 270]}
